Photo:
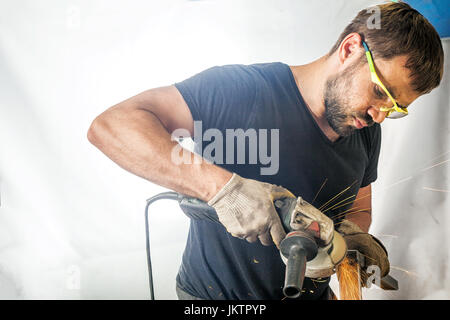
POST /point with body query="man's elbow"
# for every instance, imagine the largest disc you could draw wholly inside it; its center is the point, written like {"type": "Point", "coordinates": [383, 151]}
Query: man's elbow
{"type": "Point", "coordinates": [96, 131]}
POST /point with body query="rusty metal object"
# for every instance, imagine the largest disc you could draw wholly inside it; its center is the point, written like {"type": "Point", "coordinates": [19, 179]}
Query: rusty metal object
{"type": "Point", "coordinates": [351, 280]}
{"type": "Point", "coordinates": [389, 283]}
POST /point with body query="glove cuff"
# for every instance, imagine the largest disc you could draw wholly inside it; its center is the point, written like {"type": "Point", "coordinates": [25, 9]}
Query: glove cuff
{"type": "Point", "coordinates": [227, 189]}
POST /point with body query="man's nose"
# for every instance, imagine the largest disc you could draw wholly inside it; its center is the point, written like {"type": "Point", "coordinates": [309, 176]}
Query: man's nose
{"type": "Point", "coordinates": [377, 115]}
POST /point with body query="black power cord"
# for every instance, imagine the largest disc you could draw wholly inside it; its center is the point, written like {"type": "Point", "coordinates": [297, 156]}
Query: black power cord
{"type": "Point", "coordinates": [164, 195]}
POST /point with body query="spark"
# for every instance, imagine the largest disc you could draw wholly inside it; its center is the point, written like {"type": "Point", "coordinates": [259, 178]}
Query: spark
{"type": "Point", "coordinates": [351, 202]}
{"type": "Point", "coordinates": [435, 165]}
{"type": "Point", "coordinates": [323, 184]}
{"type": "Point", "coordinates": [344, 214]}
{"type": "Point", "coordinates": [352, 208]}
{"type": "Point", "coordinates": [333, 206]}
{"type": "Point", "coordinates": [439, 156]}
{"type": "Point", "coordinates": [349, 280]}
{"type": "Point", "coordinates": [343, 205]}
{"type": "Point", "coordinates": [388, 235]}
{"type": "Point", "coordinates": [437, 190]}
{"type": "Point", "coordinates": [410, 273]}
{"type": "Point", "coordinates": [398, 182]}
{"type": "Point", "coordinates": [325, 204]}
{"type": "Point", "coordinates": [419, 171]}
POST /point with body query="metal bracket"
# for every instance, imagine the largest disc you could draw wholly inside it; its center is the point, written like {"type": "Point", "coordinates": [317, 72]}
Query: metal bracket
{"type": "Point", "coordinates": [386, 283]}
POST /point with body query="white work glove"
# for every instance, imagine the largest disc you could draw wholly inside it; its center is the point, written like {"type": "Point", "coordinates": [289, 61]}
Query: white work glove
{"type": "Point", "coordinates": [245, 208]}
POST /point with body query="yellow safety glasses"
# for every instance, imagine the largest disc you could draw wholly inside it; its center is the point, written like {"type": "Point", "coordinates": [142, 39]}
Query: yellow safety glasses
{"type": "Point", "coordinates": [394, 112]}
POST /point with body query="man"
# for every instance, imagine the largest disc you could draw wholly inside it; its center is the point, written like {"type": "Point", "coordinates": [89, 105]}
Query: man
{"type": "Point", "coordinates": [325, 118]}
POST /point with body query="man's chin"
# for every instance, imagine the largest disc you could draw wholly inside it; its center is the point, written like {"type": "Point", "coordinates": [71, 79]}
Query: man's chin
{"type": "Point", "coordinates": [347, 131]}
{"type": "Point", "coordinates": [342, 130]}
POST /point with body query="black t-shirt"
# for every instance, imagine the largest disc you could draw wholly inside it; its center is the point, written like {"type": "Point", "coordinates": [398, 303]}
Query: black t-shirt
{"type": "Point", "coordinates": [264, 102]}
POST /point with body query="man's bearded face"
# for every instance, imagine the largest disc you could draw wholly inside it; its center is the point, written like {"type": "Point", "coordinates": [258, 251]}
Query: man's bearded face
{"type": "Point", "coordinates": [339, 110]}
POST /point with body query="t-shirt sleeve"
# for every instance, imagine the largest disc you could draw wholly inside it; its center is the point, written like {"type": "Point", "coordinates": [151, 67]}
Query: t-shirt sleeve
{"type": "Point", "coordinates": [374, 153]}
{"type": "Point", "coordinates": [222, 96]}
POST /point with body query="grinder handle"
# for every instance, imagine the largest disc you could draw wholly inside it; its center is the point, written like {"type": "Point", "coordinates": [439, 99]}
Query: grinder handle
{"type": "Point", "coordinates": [198, 209]}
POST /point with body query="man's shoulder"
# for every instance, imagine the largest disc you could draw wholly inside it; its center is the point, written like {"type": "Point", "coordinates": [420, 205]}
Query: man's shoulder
{"type": "Point", "coordinates": [269, 75]}
{"type": "Point", "coordinates": [266, 67]}
{"type": "Point", "coordinates": [259, 65]}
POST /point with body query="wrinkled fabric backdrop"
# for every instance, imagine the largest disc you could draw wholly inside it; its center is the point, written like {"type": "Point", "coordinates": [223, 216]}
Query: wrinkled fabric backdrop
{"type": "Point", "coordinates": [72, 221]}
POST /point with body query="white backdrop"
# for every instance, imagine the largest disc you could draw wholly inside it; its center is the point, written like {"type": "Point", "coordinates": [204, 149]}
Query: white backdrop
{"type": "Point", "coordinates": [72, 222]}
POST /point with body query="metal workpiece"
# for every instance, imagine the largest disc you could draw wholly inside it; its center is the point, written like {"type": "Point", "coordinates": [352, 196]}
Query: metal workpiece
{"type": "Point", "coordinates": [386, 283]}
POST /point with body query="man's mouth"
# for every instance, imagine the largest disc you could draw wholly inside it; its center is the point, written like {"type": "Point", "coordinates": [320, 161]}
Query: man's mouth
{"type": "Point", "coordinates": [359, 124]}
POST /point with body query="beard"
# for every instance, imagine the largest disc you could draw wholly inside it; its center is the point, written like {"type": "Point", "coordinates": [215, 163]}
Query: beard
{"type": "Point", "coordinates": [338, 109]}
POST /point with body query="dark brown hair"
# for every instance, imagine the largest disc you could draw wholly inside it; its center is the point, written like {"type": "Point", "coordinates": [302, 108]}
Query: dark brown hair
{"type": "Point", "coordinates": [402, 31]}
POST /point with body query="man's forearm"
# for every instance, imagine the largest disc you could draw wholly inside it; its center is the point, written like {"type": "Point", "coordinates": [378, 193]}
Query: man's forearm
{"type": "Point", "coordinates": [361, 212]}
{"type": "Point", "coordinates": [138, 142]}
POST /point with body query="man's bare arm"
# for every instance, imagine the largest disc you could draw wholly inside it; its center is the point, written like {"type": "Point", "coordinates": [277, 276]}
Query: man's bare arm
{"type": "Point", "coordinates": [361, 212]}
{"type": "Point", "coordinates": [136, 134]}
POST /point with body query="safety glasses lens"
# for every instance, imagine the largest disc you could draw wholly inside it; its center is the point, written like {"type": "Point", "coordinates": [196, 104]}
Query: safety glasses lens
{"type": "Point", "coordinates": [396, 115]}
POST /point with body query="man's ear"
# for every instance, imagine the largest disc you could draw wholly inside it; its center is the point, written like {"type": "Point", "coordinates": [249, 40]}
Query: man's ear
{"type": "Point", "coordinates": [350, 49]}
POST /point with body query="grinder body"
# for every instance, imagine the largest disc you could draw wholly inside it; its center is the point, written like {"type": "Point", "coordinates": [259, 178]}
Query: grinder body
{"type": "Point", "coordinates": [296, 249]}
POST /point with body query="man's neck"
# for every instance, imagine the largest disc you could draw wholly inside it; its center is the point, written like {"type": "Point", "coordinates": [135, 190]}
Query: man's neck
{"type": "Point", "coordinates": [311, 79]}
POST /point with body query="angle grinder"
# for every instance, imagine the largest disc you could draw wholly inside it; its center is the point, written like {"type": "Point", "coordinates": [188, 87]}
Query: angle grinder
{"type": "Point", "coordinates": [302, 252]}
